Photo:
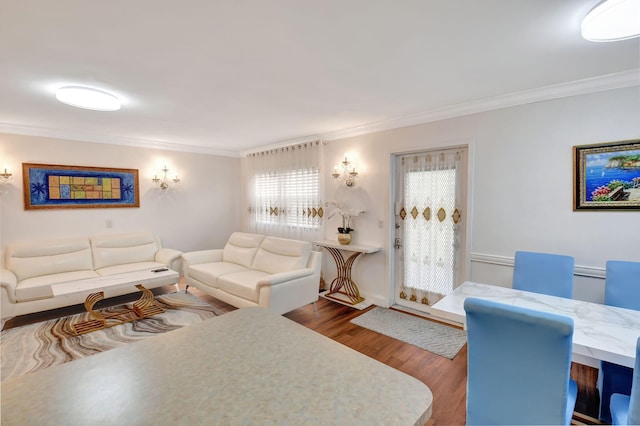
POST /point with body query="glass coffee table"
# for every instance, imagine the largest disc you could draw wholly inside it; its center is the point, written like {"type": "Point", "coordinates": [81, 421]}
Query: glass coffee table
{"type": "Point", "coordinates": [144, 307]}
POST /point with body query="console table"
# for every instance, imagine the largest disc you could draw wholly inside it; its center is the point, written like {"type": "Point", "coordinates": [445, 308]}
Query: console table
{"type": "Point", "coordinates": [343, 283]}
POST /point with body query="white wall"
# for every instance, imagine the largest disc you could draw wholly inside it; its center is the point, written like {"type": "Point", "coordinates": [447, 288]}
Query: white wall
{"type": "Point", "coordinates": [200, 213]}
{"type": "Point", "coordinates": [521, 161]}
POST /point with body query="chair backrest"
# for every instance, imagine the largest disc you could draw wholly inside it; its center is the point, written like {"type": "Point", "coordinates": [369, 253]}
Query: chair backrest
{"type": "Point", "coordinates": [519, 364]}
{"type": "Point", "coordinates": [621, 413]}
{"type": "Point", "coordinates": [544, 273]}
{"type": "Point", "coordinates": [622, 284]}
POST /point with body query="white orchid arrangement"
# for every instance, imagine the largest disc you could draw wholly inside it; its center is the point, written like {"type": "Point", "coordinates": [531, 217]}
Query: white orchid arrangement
{"type": "Point", "coordinates": [347, 213]}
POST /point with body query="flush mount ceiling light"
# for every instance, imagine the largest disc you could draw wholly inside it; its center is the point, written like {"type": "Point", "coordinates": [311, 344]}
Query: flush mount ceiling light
{"type": "Point", "coordinates": [88, 98]}
{"type": "Point", "coordinates": [612, 20]}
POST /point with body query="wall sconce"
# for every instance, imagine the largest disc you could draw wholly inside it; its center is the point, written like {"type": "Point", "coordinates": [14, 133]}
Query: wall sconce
{"type": "Point", "coordinates": [164, 182]}
{"type": "Point", "coordinates": [5, 177]}
{"type": "Point", "coordinates": [347, 175]}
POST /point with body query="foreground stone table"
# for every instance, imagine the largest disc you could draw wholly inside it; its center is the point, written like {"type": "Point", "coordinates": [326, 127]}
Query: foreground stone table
{"type": "Point", "coordinates": [246, 367]}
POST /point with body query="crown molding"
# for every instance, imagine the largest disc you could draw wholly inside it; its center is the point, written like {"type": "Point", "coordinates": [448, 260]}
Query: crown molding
{"type": "Point", "coordinates": [589, 85]}
{"type": "Point", "coordinates": [111, 140]}
{"type": "Point", "coordinates": [573, 88]}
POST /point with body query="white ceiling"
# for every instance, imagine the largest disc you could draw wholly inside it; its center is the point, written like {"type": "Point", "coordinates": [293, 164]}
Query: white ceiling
{"type": "Point", "coordinates": [229, 76]}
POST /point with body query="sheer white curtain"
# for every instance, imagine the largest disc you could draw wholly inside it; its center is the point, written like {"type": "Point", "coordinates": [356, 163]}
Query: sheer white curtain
{"type": "Point", "coordinates": [285, 191]}
{"type": "Point", "coordinates": [430, 222]}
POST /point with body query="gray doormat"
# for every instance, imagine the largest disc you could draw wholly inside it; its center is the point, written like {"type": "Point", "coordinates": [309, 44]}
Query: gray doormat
{"type": "Point", "coordinates": [440, 339]}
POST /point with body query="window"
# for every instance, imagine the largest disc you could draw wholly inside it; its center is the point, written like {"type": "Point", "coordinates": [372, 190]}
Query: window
{"type": "Point", "coordinates": [284, 191]}
{"type": "Point", "coordinates": [423, 239]}
{"type": "Point", "coordinates": [288, 198]}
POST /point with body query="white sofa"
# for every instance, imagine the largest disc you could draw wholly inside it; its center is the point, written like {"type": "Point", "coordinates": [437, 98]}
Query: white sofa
{"type": "Point", "coordinates": [31, 268]}
{"type": "Point", "coordinates": [255, 270]}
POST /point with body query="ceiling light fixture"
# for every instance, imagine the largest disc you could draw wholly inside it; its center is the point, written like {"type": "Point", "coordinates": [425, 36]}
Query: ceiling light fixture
{"type": "Point", "coordinates": [612, 20]}
{"type": "Point", "coordinates": [88, 98]}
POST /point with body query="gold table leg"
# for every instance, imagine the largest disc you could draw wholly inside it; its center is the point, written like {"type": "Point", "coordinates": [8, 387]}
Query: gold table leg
{"type": "Point", "coordinates": [343, 284]}
{"type": "Point", "coordinates": [144, 307]}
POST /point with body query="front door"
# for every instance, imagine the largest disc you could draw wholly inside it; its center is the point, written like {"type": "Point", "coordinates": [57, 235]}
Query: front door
{"type": "Point", "coordinates": [430, 218]}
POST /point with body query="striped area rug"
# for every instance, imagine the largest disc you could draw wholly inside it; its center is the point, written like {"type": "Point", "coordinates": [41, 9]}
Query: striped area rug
{"type": "Point", "coordinates": [33, 347]}
{"type": "Point", "coordinates": [440, 339]}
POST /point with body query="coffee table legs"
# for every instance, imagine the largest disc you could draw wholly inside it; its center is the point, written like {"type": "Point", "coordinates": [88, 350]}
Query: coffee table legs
{"type": "Point", "coordinates": [144, 307]}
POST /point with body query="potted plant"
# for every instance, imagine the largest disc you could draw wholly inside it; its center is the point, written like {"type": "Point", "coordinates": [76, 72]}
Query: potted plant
{"type": "Point", "coordinates": [348, 215]}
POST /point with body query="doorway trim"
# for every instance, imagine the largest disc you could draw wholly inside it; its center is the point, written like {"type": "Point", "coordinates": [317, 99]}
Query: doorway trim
{"type": "Point", "coordinates": [450, 144]}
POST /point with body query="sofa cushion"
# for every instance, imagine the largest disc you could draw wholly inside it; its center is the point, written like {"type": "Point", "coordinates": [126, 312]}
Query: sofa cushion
{"type": "Point", "coordinates": [40, 287]}
{"type": "Point", "coordinates": [209, 273]}
{"type": "Point", "coordinates": [118, 249]}
{"type": "Point", "coordinates": [45, 257]}
{"type": "Point", "coordinates": [242, 284]}
{"type": "Point", "coordinates": [281, 255]}
{"type": "Point", "coordinates": [129, 267]}
{"type": "Point", "coordinates": [241, 248]}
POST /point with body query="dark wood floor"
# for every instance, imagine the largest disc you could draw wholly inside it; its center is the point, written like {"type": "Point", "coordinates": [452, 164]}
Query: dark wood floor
{"type": "Point", "coordinates": [446, 378]}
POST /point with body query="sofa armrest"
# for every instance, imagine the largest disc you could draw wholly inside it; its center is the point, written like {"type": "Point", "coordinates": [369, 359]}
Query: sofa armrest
{"type": "Point", "coordinates": [9, 281]}
{"type": "Point", "coordinates": [202, 256]}
{"type": "Point", "coordinates": [282, 277]}
{"type": "Point", "coordinates": [170, 257]}
{"type": "Point", "coordinates": [167, 256]}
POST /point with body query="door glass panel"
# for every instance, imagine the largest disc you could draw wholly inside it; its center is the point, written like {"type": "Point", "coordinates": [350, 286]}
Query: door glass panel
{"type": "Point", "coordinates": [430, 216]}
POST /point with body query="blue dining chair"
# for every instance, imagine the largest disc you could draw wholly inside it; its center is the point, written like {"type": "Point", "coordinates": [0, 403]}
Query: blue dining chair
{"type": "Point", "coordinates": [544, 273]}
{"type": "Point", "coordinates": [625, 409]}
{"type": "Point", "coordinates": [519, 362]}
{"type": "Point", "coordinates": [622, 289]}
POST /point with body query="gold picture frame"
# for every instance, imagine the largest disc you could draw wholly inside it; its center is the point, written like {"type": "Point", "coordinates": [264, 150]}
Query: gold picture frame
{"type": "Point", "coordinates": [607, 176]}
{"type": "Point", "coordinates": [50, 186]}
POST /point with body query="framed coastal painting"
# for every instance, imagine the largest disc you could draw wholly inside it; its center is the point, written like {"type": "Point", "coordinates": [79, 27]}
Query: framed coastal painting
{"type": "Point", "coordinates": [48, 186]}
{"type": "Point", "coordinates": [607, 176]}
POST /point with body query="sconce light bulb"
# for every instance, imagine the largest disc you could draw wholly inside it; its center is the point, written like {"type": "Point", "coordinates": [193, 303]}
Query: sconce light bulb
{"type": "Point", "coordinates": [164, 183]}
{"type": "Point", "coordinates": [348, 173]}
{"type": "Point", "coordinates": [6, 175]}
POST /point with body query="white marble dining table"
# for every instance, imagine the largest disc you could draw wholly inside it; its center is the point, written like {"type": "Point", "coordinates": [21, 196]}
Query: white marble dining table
{"type": "Point", "coordinates": [601, 332]}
